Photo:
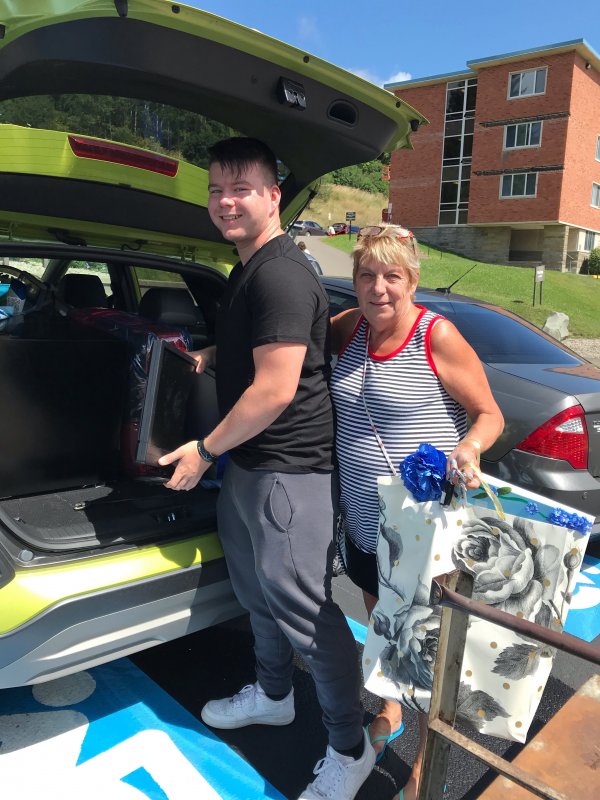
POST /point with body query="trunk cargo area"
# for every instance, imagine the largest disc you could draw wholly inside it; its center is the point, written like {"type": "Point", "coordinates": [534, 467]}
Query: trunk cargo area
{"type": "Point", "coordinates": [68, 480]}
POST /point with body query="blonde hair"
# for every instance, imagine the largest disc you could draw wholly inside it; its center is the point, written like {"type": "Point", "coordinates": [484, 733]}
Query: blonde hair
{"type": "Point", "coordinates": [387, 247]}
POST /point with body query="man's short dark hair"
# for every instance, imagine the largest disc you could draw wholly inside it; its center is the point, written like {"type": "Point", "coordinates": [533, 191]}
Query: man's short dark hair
{"type": "Point", "coordinates": [240, 153]}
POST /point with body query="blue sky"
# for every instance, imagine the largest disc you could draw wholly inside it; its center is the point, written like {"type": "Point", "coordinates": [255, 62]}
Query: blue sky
{"type": "Point", "coordinates": [386, 42]}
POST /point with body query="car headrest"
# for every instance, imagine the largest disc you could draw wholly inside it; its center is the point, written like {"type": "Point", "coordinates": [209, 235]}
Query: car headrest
{"type": "Point", "coordinates": [169, 306]}
{"type": "Point", "coordinates": [83, 291]}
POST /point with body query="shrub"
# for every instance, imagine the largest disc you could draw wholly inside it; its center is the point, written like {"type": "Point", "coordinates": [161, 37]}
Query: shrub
{"type": "Point", "coordinates": [594, 262]}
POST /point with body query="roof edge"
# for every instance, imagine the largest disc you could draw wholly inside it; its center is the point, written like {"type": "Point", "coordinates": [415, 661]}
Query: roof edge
{"type": "Point", "coordinates": [443, 78]}
{"type": "Point", "coordinates": [581, 46]}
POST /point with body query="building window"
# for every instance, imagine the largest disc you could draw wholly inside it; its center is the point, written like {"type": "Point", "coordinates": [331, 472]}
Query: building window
{"type": "Point", "coordinates": [596, 195]}
{"type": "Point", "coordinates": [457, 151]}
{"type": "Point", "coordinates": [598, 149]}
{"type": "Point", "coordinates": [590, 238]}
{"type": "Point", "coordinates": [521, 184]}
{"type": "Point", "coordinates": [523, 84]}
{"type": "Point", "coordinates": [525, 134]}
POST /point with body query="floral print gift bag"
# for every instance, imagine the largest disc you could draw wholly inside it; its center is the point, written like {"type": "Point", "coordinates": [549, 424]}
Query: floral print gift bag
{"type": "Point", "coordinates": [525, 564]}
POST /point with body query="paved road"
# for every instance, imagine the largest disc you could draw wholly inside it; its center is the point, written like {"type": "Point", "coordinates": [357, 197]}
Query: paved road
{"type": "Point", "coordinates": [334, 262]}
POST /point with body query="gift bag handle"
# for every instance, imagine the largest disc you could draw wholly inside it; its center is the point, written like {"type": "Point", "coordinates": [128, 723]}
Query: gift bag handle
{"type": "Point", "coordinates": [484, 485]}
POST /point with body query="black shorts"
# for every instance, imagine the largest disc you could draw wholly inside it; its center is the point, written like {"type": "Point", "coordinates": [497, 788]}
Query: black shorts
{"type": "Point", "coordinates": [361, 568]}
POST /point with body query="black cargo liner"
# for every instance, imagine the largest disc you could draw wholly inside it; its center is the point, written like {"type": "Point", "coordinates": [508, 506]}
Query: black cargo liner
{"type": "Point", "coordinates": [107, 515]}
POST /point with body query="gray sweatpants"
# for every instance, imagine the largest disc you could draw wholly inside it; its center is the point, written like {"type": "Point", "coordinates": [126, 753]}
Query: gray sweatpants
{"type": "Point", "coordinates": [277, 531]}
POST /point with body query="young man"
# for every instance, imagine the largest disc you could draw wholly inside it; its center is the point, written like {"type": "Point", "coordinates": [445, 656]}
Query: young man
{"type": "Point", "coordinates": [276, 505]}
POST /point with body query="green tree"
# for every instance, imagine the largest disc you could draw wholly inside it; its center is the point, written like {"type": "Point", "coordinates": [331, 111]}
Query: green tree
{"type": "Point", "coordinates": [594, 262]}
{"type": "Point", "coordinates": [367, 176]}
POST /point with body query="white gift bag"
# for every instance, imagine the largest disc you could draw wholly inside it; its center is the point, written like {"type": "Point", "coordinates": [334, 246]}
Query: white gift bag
{"type": "Point", "coordinates": [526, 564]}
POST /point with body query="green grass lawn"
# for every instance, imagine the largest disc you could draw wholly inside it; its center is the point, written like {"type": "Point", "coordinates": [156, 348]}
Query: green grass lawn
{"type": "Point", "coordinates": [578, 296]}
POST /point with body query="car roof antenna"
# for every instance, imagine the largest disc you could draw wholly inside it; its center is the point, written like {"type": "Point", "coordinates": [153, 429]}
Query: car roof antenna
{"type": "Point", "coordinates": [446, 289]}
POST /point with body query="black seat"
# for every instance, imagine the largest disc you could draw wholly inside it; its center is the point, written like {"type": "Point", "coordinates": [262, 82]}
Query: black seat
{"type": "Point", "coordinates": [83, 291]}
{"type": "Point", "coordinates": [175, 307]}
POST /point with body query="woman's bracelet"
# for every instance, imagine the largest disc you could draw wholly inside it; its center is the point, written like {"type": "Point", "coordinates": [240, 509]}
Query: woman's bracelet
{"type": "Point", "coordinates": [474, 444]}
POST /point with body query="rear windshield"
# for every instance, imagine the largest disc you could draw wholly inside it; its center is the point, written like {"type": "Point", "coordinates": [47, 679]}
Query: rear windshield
{"type": "Point", "coordinates": [499, 338]}
{"type": "Point", "coordinates": [155, 126]}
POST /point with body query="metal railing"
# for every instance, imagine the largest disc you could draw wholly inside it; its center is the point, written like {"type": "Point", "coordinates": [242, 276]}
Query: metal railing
{"type": "Point", "coordinates": [453, 592]}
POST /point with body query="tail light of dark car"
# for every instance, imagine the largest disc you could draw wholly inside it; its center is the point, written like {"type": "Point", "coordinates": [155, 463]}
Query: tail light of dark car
{"type": "Point", "coordinates": [563, 436]}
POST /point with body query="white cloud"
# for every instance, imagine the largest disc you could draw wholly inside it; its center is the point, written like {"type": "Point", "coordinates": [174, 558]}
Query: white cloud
{"type": "Point", "coordinates": [370, 76]}
{"type": "Point", "coordinates": [308, 30]}
{"type": "Point", "coordinates": [397, 77]}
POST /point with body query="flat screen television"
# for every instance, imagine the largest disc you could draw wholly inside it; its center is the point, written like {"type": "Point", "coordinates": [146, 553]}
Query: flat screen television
{"type": "Point", "coordinates": [164, 424]}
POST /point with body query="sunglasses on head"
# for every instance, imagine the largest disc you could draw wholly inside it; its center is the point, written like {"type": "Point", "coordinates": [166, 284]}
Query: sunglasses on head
{"type": "Point", "coordinates": [397, 231]}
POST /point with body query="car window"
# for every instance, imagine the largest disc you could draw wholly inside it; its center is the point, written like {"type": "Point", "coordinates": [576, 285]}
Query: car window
{"type": "Point", "coordinates": [147, 278]}
{"type": "Point", "coordinates": [499, 338]}
{"type": "Point", "coordinates": [340, 301]}
{"type": "Point", "coordinates": [86, 284]}
{"type": "Point", "coordinates": [34, 266]}
{"type": "Point", "coordinates": [99, 268]}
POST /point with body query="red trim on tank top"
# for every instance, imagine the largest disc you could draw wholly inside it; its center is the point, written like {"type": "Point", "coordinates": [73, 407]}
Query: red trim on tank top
{"type": "Point", "coordinates": [404, 343]}
{"type": "Point", "coordinates": [352, 335]}
{"type": "Point", "coordinates": [428, 352]}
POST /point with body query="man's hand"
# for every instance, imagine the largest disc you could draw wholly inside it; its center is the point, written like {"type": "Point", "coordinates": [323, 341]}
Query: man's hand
{"type": "Point", "coordinates": [204, 358]}
{"type": "Point", "coordinates": [190, 467]}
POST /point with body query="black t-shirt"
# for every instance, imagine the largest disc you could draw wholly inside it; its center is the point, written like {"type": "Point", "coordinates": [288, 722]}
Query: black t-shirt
{"type": "Point", "coordinates": [277, 297]}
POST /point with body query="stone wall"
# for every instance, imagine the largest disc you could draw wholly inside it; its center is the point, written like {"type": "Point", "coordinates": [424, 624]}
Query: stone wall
{"type": "Point", "coordinates": [483, 244]}
{"type": "Point", "coordinates": [554, 253]}
{"type": "Point", "coordinates": [492, 244]}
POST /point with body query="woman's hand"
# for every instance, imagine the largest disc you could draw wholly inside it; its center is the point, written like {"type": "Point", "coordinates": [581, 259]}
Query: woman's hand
{"type": "Point", "coordinates": [464, 459]}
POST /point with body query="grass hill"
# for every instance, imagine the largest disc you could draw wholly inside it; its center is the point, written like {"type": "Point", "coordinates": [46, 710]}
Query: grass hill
{"type": "Point", "coordinates": [332, 202]}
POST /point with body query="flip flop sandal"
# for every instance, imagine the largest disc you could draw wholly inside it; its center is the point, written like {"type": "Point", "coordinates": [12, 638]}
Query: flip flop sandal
{"type": "Point", "coordinates": [387, 740]}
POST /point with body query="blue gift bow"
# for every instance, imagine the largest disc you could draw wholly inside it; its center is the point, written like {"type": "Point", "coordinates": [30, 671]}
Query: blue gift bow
{"type": "Point", "coordinates": [424, 473]}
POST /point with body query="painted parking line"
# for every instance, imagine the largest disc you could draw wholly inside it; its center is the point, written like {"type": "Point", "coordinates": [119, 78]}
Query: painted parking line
{"type": "Point", "coordinates": [583, 619]}
{"type": "Point", "coordinates": [113, 733]}
{"type": "Point", "coordinates": [584, 615]}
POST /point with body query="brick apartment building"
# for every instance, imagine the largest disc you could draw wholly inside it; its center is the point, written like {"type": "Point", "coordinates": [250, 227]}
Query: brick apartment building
{"type": "Point", "coordinates": [508, 170]}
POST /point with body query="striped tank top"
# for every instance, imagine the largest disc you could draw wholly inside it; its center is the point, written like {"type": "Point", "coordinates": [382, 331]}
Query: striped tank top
{"type": "Point", "coordinates": [408, 405]}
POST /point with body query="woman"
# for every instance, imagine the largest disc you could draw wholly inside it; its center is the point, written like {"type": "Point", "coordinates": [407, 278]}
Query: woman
{"type": "Point", "coordinates": [408, 373]}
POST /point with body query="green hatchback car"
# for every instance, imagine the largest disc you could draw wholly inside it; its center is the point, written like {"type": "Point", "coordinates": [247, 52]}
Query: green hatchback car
{"type": "Point", "coordinates": [105, 247]}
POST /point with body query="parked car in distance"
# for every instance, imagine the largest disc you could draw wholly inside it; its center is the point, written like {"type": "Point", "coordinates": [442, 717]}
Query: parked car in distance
{"type": "Point", "coordinates": [342, 227]}
{"type": "Point", "coordinates": [105, 249]}
{"type": "Point", "coordinates": [313, 261]}
{"type": "Point", "coordinates": [549, 396]}
{"type": "Point", "coordinates": [307, 227]}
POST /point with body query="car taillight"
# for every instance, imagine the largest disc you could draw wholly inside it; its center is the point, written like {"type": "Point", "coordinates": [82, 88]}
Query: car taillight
{"type": "Point", "coordinates": [123, 154]}
{"type": "Point", "coordinates": [564, 436]}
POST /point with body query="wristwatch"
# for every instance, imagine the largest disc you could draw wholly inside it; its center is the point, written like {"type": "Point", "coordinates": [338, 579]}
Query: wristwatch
{"type": "Point", "coordinates": [204, 454]}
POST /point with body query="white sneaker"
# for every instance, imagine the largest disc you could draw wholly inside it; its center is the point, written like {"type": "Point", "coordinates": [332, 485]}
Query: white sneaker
{"type": "Point", "coordinates": [250, 706]}
{"type": "Point", "coordinates": [340, 777]}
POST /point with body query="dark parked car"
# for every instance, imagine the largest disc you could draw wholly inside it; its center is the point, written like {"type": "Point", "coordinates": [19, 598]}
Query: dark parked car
{"type": "Point", "coordinates": [550, 398]}
{"type": "Point", "coordinates": [106, 248]}
{"type": "Point", "coordinates": [307, 227]}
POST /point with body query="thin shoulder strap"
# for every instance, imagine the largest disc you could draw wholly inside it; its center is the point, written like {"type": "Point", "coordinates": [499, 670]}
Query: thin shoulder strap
{"type": "Point", "coordinates": [386, 455]}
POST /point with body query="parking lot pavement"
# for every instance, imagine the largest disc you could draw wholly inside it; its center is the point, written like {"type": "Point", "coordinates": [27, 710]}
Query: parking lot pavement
{"type": "Point", "coordinates": [117, 732]}
{"type": "Point", "coordinates": [587, 348]}
{"type": "Point", "coordinates": [334, 262]}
